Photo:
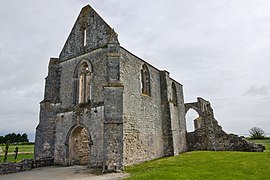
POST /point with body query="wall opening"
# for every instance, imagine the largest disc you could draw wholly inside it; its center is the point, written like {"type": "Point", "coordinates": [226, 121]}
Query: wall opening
{"type": "Point", "coordinates": [145, 80]}
{"type": "Point", "coordinates": [84, 37]}
{"type": "Point", "coordinates": [79, 146]}
{"type": "Point", "coordinates": [191, 115]}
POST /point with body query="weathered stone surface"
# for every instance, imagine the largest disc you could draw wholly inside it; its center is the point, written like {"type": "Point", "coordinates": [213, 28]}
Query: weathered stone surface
{"type": "Point", "coordinates": [208, 135]}
{"type": "Point", "coordinates": [10, 167]}
{"type": "Point", "coordinates": [153, 126]}
{"type": "Point", "coordinates": [24, 165]}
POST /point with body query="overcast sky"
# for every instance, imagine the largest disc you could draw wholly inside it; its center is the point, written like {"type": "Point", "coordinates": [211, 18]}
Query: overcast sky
{"type": "Point", "coordinates": [219, 50]}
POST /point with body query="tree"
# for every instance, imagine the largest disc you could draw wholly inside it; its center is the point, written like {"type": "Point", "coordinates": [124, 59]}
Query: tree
{"type": "Point", "coordinates": [24, 138]}
{"type": "Point", "coordinates": [14, 138]}
{"type": "Point", "coordinates": [18, 138]}
{"type": "Point", "coordinates": [2, 140]}
{"type": "Point", "coordinates": [256, 133]}
{"type": "Point", "coordinates": [11, 137]}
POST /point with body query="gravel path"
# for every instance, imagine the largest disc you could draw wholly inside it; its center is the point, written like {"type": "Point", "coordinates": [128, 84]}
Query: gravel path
{"type": "Point", "coordinates": [61, 173]}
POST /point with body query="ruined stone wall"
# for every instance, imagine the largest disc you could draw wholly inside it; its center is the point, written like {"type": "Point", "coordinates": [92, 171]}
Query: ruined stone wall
{"type": "Point", "coordinates": [13, 167]}
{"type": "Point", "coordinates": [142, 114]}
{"type": "Point", "coordinates": [208, 134]}
{"type": "Point", "coordinates": [24, 165]}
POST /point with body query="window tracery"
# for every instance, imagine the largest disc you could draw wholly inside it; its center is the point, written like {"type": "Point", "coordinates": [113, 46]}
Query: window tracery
{"type": "Point", "coordinates": [84, 87]}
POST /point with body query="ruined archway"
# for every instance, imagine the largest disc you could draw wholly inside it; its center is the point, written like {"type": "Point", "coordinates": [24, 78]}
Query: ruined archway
{"type": "Point", "coordinates": [191, 119]}
{"type": "Point", "coordinates": [193, 114]}
{"type": "Point", "coordinates": [79, 146]}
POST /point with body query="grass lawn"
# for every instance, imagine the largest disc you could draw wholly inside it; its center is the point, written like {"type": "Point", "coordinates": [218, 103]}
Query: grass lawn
{"type": "Point", "coordinates": [27, 150]}
{"type": "Point", "coordinates": [207, 165]}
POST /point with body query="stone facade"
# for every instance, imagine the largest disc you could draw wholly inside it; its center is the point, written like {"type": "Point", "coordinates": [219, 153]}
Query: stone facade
{"type": "Point", "coordinates": [105, 107]}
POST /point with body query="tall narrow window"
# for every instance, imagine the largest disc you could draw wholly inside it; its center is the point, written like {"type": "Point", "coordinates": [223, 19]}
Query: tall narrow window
{"type": "Point", "coordinates": [81, 88]}
{"type": "Point", "coordinates": [174, 94]}
{"type": "Point", "coordinates": [84, 37]}
{"type": "Point", "coordinates": [145, 78]}
{"type": "Point", "coordinates": [85, 76]}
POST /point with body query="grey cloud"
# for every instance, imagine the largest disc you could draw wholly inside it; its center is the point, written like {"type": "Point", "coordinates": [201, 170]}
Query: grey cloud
{"type": "Point", "coordinates": [257, 91]}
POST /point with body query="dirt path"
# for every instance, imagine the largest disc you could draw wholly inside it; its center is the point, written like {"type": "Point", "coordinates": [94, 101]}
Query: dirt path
{"type": "Point", "coordinates": [61, 173]}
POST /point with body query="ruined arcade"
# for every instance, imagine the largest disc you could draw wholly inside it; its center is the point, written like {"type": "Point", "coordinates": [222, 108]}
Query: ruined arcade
{"type": "Point", "coordinates": [105, 107]}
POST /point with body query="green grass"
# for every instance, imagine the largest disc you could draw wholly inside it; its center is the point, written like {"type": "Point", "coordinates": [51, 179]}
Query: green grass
{"type": "Point", "coordinates": [22, 148]}
{"type": "Point", "coordinates": [207, 165]}
{"type": "Point", "coordinates": [27, 150]}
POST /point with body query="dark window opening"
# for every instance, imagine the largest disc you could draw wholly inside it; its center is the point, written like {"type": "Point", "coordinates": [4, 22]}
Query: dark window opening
{"type": "Point", "coordinates": [145, 78]}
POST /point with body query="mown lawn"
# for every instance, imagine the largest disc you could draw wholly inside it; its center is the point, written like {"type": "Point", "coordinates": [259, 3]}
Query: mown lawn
{"type": "Point", "coordinates": [207, 165]}
{"type": "Point", "coordinates": [27, 150]}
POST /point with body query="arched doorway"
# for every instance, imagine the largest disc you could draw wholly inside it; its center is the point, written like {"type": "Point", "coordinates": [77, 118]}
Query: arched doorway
{"type": "Point", "coordinates": [79, 146]}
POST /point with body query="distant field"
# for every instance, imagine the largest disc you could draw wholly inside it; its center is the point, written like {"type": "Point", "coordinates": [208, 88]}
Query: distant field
{"type": "Point", "coordinates": [25, 152]}
{"type": "Point", "coordinates": [207, 165]}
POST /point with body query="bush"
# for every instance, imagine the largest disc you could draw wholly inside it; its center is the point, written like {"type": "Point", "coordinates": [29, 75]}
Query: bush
{"type": "Point", "coordinates": [256, 133]}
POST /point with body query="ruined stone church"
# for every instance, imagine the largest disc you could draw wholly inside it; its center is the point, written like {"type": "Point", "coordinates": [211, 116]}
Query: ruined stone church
{"type": "Point", "coordinates": [105, 107]}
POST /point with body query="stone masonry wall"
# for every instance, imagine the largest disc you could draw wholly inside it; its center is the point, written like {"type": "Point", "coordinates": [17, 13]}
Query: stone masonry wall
{"type": "Point", "coordinates": [60, 111]}
{"type": "Point", "coordinates": [98, 61]}
{"type": "Point", "coordinates": [178, 123]}
{"type": "Point", "coordinates": [56, 120]}
{"type": "Point", "coordinates": [13, 167]}
{"type": "Point", "coordinates": [86, 115]}
{"type": "Point", "coordinates": [45, 131]}
{"type": "Point", "coordinates": [98, 34]}
{"type": "Point", "coordinates": [142, 116]}
{"type": "Point", "coordinates": [167, 123]}
{"type": "Point", "coordinates": [146, 122]}
{"type": "Point", "coordinates": [24, 165]}
{"type": "Point", "coordinates": [90, 118]}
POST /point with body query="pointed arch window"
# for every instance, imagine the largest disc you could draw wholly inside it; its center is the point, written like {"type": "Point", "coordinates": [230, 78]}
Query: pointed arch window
{"type": "Point", "coordinates": [174, 94]}
{"type": "Point", "coordinates": [145, 78]}
{"type": "Point", "coordinates": [84, 82]}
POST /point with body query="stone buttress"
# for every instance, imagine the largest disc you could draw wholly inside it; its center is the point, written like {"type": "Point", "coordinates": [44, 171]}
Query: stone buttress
{"type": "Point", "coordinates": [45, 132]}
{"type": "Point", "coordinates": [113, 110]}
